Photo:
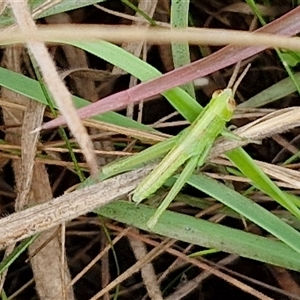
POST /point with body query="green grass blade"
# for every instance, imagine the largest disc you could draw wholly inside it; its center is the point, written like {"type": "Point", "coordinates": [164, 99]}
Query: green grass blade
{"type": "Point", "coordinates": [181, 101]}
{"type": "Point", "coordinates": [16, 253]}
{"type": "Point", "coordinates": [204, 233]}
{"type": "Point", "coordinates": [277, 91]}
{"type": "Point", "coordinates": [189, 108]}
{"type": "Point", "coordinates": [137, 10]}
{"type": "Point", "coordinates": [248, 209]}
{"type": "Point", "coordinates": [285, 64]}
{"type": "Point", "coordinates": [64, 6]}
{"type": "Point", "coordinates": [260, 180]}
{"type": "Point", "coordinates": [7, 18]}
{"type": "Point", "coordinates": [32, 89]}
{"type": "Point", "coordinates": [181, 52]}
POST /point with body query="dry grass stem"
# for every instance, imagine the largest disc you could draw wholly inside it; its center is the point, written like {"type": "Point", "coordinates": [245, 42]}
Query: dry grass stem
{"type": "Point", "coordinates": [201, 265]}
{"type": "Point", "coordinates": [118, 34]}
{"type": "Point", "coordinates": [44, 216]}
{"type": "Point", "coordinates": [56, 87]}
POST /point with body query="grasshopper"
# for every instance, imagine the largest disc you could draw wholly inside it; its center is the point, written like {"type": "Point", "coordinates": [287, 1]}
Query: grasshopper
{"type": "Point", "coordinates": [191, 146]}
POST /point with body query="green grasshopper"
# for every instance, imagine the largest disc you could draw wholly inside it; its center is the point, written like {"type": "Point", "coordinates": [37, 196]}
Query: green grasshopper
{"type": "Point", "coordinates": [191, 146]}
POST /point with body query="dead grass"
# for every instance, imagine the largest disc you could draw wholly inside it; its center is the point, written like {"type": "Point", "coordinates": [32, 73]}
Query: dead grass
{"type": "Point", "coordinates": [91, 258]}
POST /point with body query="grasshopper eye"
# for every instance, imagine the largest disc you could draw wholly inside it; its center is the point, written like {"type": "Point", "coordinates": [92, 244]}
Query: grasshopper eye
{"type": "Point", "coordinates": [216, 93]}
{"type": "Point", "coordinates": [231, 104]}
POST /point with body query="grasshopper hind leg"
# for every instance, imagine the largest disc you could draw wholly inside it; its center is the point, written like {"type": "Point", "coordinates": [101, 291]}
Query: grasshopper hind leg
{"type": "Point", "coordinates": [180, 182]}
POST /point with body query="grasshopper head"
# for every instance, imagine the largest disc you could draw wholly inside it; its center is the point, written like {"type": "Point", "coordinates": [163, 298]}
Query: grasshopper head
{"type": "Point", "coordinates": [224, 102]}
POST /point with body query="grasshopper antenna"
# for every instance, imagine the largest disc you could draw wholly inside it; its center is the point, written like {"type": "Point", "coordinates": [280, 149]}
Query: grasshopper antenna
{"type": "Point", "coordinates": [234, 88]}
{"type": "Point", "coordinates": [234, 81]}
{"type": "Point", "coordinates": [234, 75]}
